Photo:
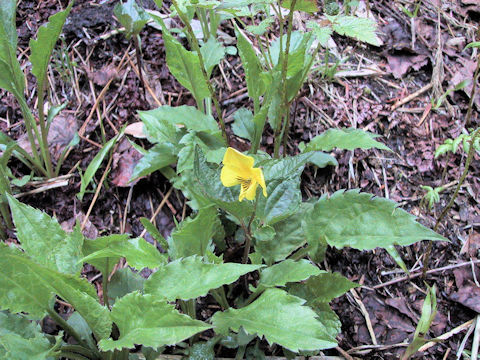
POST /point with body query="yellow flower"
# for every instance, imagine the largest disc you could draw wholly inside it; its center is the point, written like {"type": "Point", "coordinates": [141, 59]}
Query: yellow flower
{"type": "Point", "coordinates": [238, 170]}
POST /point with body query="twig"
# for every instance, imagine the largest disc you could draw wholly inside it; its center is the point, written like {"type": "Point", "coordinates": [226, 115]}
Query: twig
{"type": "Point", "coordinates": [476, 338]}
{"type": "Point", "coordinates": [465, 338]}
{"type": "Point", "coordinates": [412, 276]}
{"type": "Point", "coordinates": [411, 96]}
{"type": "Point", "coordinates": [364, 311]}
{"type": "Point", "coordinates": [159, 208]}
{"type": "Point", "coordinates": [447, 335]}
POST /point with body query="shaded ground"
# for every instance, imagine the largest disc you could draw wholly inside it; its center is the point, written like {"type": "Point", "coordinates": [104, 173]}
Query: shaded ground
{"type": "Point", "coordinates": [372, 81]}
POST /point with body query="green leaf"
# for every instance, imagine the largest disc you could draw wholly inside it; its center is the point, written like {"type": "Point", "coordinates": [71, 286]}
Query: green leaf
{"type": "Point", "coordinates": [42, 47]}
{"type": "Point", "coordinates": [213, 52]}
{"type": "Point", "coordinates": [95, 164]}
{"type": "Point", "coordinates": [289, 236]}
{"type": "Point", "coordinates": [138, 252]}
{"type": "Point", "coordinates": [44, 241]}
{"type": "Point", "coordinates": [287, 271]}
{"type": "Point", "coordinates": [309, 6]}
{"type": "Point", "coordinates": [262, 27]}
{"type": "Point", "coordinates": [472, 44]}
{"type": "Point", "coordinates": [358, 220]}
{"type": "Point", "coordinates": [28, 287]}
{"type": "Point", "coordinates": [284, 198]}
{"type": "Point", "coordinates": [23, 339]}
{"type": "Point", "coordinates": [323, 287]}
{"type": "Point", "coordinates": [361, 29]}
{"type": "Point", "coordinates": [180, 278]}
{"type": "Point", "coordinates": [150, 322]}
{"type": "Point", "coordinates": [91, 246]}
{"type": "Point", "coordinates": [276, 315]}
{"type": "Point", "coordinates": [208, 183]}
{"type": "Point", "coordinates": [81, 327]}
{"type": "Point", "coordinates": [154, 233]}
{"type": "Point", "coordinates": [291, 167]}
{"type": "Point", "coordinates": [11, 75]}
{"type": "Point", "coordinates": [243, 125]}
{"type": "Point", "coordinates": [396, 256]}
{"type": "Point", "coordinates": [251, 65]}
{"type": "Point", "coordinates": [321, 32]}
{"type": "Point", "coordinates": [132, 17]}
{"type": "Point", "coordinates": [124, 282]}
{"type": "Point", "coordinates": [185, 66]}
{"type": "Point", "coordinates": [194, 234]}
{"type": "Point", "coordinates": [346, 139]}
{"type": "Point", "coordinates": [158, 157]}
{"type": "Point", "coordinates": [161, 122]}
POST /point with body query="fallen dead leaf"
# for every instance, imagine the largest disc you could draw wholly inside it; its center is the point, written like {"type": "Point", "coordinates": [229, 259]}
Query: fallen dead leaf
{"type": "Point", "coordinates": [89, 231]}
{"type": "Point", "coordinates": [136, 130]}
{"type": "Point", "coordinates": [400, 64]}
{"type": "Point", "coordinates": [124, 161]}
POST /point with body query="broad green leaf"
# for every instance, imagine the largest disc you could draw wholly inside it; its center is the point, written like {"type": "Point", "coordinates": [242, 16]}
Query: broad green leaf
{"type": "Point", "coordinates": [323, 287]}
{"type": "Point", "coordinates": [159, 129]}
{"type": "Point", "coordinates": [158, 157]}
{"type": "Point", "coordinates": [124, 282]}
{"type": "Point", "coordinates": [150, 322]}
{"type": "Point", "coordinates": [44, 241]}
{"type": "Point", "coordinates": [281, 318]}
{"type": "Point", "coordinates": [212, 52]}
{"type": "Point", "coordinates": [91, 246]}
{"type": "Point", "coordinates": [262, 27]}
{"type": "Point", "coordinates": [138, 252]}
{"type": "Point", "coordinates": [284, 198]}
{"type": "Point", "coordinates": [251, 66]}
{"type": "Point", "coordinates": [361, 29]}
{"type": "Point", "coordinates": [346, 139]}
{"type": "Point", "coordinates": [81, 327]}
{"type": "Point", "coordinates": [202, 351]}
{"type": "Point", "coordinates": [165, 119]}
{"type": "Point", "coordinates": [309, 6]}
{"type": "Point", "coordinates": [28, 287]}
{"type": "Point", "coordinates": [292, 166]}
{"type": "Point", "coordinates": [322, 32]}
{"type": "Point", "coordinates": [243, 125]}
{"type": "Point", "coordinates": [208, 183]}
{"type": "Point", "coordinates": [42, 47]}
{"type": "Point", "coordinates": [358, 220]}
{"type": "Point", "coordinates": [185, 66]}
{"type": "Point", "coordinates": [22, 339]}
{"type": "Point", "coordinates": [11, 75]}
{"type": "Point", "coordinates": [287, 271]}
{"type": "Point", "coordinates": [95, 164]}
{"type": "Point", "coordinates": [154, 233]}
{"type": "Point", "coordinates": [36, 348]}
{"type": "Point", "coordinates": [132, 17]}
{"type": "Point", "coordinates": [289, 236]}
{"type": "Point", "coordinates": [189, 278]}
{"type": "Point", "coordinates": [194, 234]}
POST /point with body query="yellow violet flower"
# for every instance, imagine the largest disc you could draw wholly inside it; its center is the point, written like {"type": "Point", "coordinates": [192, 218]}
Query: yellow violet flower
{"type": "Point", "coordinates": [238, 170]}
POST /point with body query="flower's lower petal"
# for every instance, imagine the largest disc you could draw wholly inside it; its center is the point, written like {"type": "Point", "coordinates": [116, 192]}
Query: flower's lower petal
{"type": "Point", "coordinates": [251, 191]}
{"type": "Point", "coordinates": [260, 180]}
{"type": "Point", "coordinates": [229, 176]}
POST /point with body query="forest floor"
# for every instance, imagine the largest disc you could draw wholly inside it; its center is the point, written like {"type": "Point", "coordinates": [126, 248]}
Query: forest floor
{"type": "Point", "coordinates": [386, 90]}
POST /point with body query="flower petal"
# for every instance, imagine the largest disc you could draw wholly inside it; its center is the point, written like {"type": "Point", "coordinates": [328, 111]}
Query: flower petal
{"type": "Point", "coordinates": [251, 191]}
{"type": "Point", "coordinates": [243, 162]}
{"type": "Point", "coordinates": [258, 177]}
{"type": "Point", "coordinates": [229, 176]}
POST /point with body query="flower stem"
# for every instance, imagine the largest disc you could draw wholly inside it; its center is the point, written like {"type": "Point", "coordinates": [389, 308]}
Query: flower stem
{"type": "Point", "coordinates": [284, 58]}
{"type": "Point", "coordinates": [196, 47]}
{"type": "Point", "coordinates": [42, 140]}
